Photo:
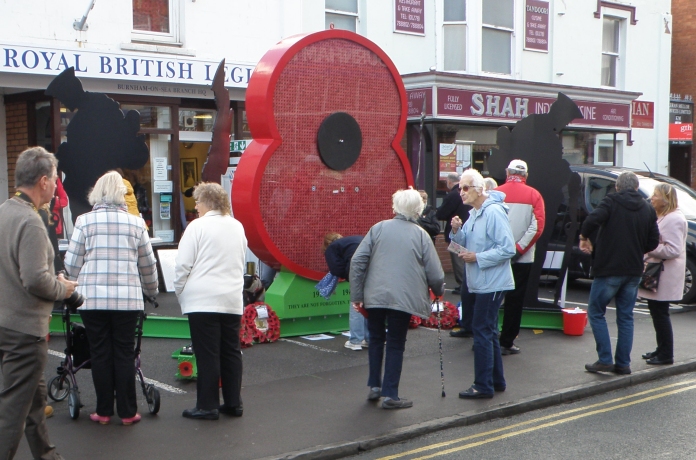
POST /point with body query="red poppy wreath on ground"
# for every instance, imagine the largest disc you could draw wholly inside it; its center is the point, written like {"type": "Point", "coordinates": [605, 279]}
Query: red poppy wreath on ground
{"type": "Point", "coordinates": [259, 328]}
{"type": "Point", "coordinates": [327, 112]}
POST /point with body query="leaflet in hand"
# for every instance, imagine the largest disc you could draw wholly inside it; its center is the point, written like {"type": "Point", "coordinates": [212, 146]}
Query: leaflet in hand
{"type": "Point", "coordinates": [456, 248]}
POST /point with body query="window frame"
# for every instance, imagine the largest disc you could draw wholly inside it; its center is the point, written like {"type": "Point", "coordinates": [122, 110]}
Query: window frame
{"type": "Point", "coordinates": [355, 16]}
{"type": "Point", "coordinates": [172, 38]}
{"type": "Point", "coordinates": [464, 23]}
{"type": "Point", "coordinates": [511, 31]}
{"type": "Point", "coordinates": [615, 54]}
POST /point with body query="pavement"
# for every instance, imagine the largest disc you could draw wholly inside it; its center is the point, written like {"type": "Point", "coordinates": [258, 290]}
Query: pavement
{"type": "Point", "coordinates": [307, 400]}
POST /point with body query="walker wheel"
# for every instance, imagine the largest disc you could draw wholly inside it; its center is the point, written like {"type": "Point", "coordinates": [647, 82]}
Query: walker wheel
{"type": "Point", "coordinates": [58, 387]}
{"type": "Point", "coordinates": [153, 399]}
{"type": "Point", "coordinates": [74, 403]}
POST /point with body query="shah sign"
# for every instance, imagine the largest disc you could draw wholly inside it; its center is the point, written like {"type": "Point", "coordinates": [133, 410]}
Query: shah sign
{"type": "Point", "coordinates": [101, 64]}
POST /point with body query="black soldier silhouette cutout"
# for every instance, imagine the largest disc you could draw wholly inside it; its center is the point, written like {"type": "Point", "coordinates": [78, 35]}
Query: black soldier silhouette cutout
{"type": "Point", "coordinates": [535, 140]}
{"type": "Point", "coordinates": [100, 138]}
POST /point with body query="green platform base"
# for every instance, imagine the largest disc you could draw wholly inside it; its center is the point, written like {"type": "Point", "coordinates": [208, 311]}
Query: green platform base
{"type": "Point", "coordinates": [538, 319]}
{"type": "Point", "coordinates": [302, 310]}
{"type": "Point", "coordinates": [155, 326]}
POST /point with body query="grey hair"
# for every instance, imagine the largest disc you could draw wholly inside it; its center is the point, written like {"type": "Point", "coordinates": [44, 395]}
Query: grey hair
{"type": "Point", "coordinates": [408, 203]}
{"type": "Point", "coordinates": [477, 180]}
{"type": "Point", "coordinates": [32, 164]}
{"type": "Point", "coordinates": [213, 196]}
{"type": "Point", "coordinates": [489, 183]}
{"type": "Point", "coordinates": [453, 177]}
{"type": "Point", "coordinates": [516, 172]}
{"type": "Point", "coordinates": [109, 189]}
{"type": "Point", "coordinates": [627, 180]}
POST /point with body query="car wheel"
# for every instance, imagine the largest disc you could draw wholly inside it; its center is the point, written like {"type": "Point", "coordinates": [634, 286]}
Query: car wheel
{"type": "Point", "coordinates": [689, 285]}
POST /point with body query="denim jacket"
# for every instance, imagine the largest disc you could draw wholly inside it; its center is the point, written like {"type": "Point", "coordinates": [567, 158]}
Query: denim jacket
{"type": "Point", "coordinates": [487, 233]}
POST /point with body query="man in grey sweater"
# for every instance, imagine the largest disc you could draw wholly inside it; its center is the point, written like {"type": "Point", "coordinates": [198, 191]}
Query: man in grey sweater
{"type": "Point", "coordinates": [28, 288]}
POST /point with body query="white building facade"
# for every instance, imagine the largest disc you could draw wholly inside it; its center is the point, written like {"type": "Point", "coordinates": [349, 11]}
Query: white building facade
{"type": "Point", "coordinates": [477, 64]}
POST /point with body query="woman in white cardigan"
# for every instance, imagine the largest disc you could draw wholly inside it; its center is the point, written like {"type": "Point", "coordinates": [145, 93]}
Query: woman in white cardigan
{"type": "Point", "coordinates": [209, 281]}
{"type": "Point", "coordinates": [672, 250]}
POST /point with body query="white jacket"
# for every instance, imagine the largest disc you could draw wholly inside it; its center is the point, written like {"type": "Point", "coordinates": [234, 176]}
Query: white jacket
{"type": "Point", "coordinates": [209, 273]}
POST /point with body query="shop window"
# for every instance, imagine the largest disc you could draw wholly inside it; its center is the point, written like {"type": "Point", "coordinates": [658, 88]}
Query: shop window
{"type": "Point", "coordinates": [454, 33]}
{"type": "Point", "coordinates": [584, 147]}
{"type": "Point", "coordinates": [341, 14]}
{"type": "Point", "coordinates": [196, 120]}
{"type": "Point", "coordinates": [156, 21]}
{"type": "Point", "coordinates": [604, 150]}
{"type": "Point", "coordinates": [611, 33]}
{"type": "Point", "coordinates": [496, 36]}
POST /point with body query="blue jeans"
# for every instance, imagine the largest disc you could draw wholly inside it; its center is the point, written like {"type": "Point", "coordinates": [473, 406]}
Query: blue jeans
{"type": "Point", "coordinates": [468, 300]}
{"type": "Point", "coordinates": [624, 290]}
{"type": "Point", "coordinates": [488, 364]}
{"type": "Point", "coordinates": [358, 326]}
{"type": "Point", "coordinates": [388, 326]}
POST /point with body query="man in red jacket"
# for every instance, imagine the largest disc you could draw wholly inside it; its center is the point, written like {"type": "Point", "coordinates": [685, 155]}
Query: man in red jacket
{"type": "Point", "coordinates": [527, 221]}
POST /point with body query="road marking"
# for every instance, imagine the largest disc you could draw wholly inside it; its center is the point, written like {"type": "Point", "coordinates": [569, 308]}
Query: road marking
{"type": "Point", "coordinates": [540, 419]}
{"type": "Point", "coordinates": [159, 385]}
{"type": "Point", "coordinates": [56, 353]}
{"type": "Point", "coordinates": [165, 387]}
{"type": "Point", "coordinates": [308, 345]}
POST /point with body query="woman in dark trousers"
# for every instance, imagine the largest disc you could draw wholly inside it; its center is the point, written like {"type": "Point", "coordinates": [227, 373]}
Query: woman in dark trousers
{"type": "Point", "coordinates": [111, 257]}
{"type": "Point", "coordinates": [389, 276]}
{"type": "Point", "coordinates": [209, 279]}
{"type": "Point", "coordinates": [671, 250]}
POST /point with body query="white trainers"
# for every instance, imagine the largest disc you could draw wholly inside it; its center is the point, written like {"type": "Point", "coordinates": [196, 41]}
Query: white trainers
{"type": "Point", "coordinates": [364, 344]}
{"type": "Point", "coordinates": [353, 346]}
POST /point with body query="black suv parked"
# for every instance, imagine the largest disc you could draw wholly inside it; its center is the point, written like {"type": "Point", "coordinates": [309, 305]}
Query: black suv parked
{"type": "Point", "coordinates": [596, 183]}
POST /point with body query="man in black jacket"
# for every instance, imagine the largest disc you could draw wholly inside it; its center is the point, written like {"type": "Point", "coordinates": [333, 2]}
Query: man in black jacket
{"type": "Point", "coordinates": [621, 229]}
{"type": "Point", "coordinates": [452, 206]}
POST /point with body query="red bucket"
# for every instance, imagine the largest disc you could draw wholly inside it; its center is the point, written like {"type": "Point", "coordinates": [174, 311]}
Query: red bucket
{"type": "Point", "coordinates": [574, 321]}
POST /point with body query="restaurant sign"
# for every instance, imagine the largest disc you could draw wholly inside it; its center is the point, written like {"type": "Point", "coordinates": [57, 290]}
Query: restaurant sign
{"type": "Point", "coordinates": [512, 107]}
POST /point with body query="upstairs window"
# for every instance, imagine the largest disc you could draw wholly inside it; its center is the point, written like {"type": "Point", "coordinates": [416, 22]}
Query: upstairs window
{"type": "Point", "coordinates": [454, 32]}
{"type": "Point", "coordinates": [341, 14]}
{"type": "Point", "coordinates": [611, 32]}
{"type": "Point", "coordinates": [496, 36]}
{"type": "Point", "coordinates": [156, 21]}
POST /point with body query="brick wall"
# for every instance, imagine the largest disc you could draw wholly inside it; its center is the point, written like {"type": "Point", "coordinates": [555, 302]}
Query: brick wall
{"type": "Point", "coordinates": [17, 137]}
{"type": "Point", "coordinates": [684, 54]}
{"type": "Point", "coordinates": [441, 247]}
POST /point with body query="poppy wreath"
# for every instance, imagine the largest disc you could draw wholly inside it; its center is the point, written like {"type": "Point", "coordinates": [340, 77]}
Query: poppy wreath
{"type": "Point", "coordinates": [246, 334]}
{"type": "Point", "coordinates": [271, 333]}
{"type": "Point", "coordinates": [448, 316]}
{"type": "Point", "coordinates": [415, 322]}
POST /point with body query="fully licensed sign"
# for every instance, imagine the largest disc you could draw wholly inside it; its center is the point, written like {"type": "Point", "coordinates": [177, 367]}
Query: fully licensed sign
{"type": "Point", "coordinates": [38, 60]}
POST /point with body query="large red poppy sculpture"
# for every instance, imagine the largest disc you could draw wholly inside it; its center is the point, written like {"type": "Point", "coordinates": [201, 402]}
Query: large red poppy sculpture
{"type": "Point", "coordinates": [327, 112]}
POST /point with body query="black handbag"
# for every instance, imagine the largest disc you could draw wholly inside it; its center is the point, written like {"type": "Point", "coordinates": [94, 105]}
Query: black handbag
{"type": "Point", "coordinates": [651, 275]}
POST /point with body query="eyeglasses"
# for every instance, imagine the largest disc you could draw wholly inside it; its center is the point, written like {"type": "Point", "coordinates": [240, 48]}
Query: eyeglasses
{"type": "Point", "coordinates": [465, 188]}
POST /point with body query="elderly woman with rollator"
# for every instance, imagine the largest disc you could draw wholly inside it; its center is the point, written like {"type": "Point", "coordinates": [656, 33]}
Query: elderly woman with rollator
{"type": "Point", "coordinates": [111, 257]}
{"type": "Point", "coordinates": [488, 247]}
{"type": "Point", "coordinates": [390, 274]}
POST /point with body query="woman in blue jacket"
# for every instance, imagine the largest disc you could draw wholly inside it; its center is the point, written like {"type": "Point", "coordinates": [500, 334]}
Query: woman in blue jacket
{"type": "Point", "coordinates": [488, 247]}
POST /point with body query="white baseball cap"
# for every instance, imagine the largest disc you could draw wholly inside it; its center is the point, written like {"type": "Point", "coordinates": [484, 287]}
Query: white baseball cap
{"type": "Point", "coordinates": [518, 165]}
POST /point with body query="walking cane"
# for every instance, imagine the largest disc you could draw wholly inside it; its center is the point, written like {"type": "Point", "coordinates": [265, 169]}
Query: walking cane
{"type": "Point", "coordinates": [438, 301]}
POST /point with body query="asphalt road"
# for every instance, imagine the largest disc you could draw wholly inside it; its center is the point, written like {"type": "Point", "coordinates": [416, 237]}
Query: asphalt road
{"type": "Point", "coordinates": [300, 394]}
{"type": "Point", "coordinates": [649, 421]}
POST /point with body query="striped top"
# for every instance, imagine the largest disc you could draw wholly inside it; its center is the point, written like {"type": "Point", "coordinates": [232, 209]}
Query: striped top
{"type": "Point", "coordinates": [111, 257]}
